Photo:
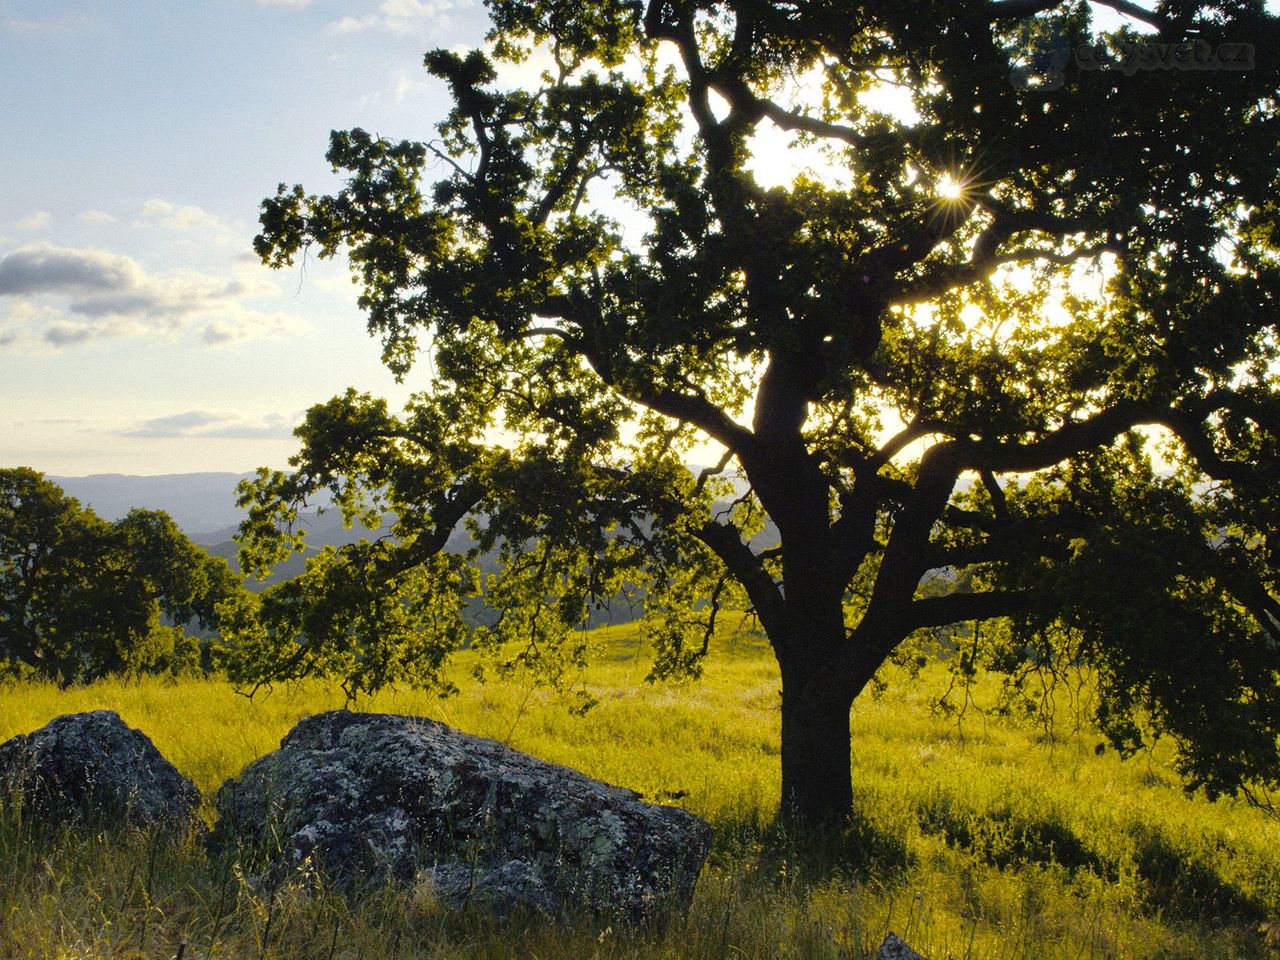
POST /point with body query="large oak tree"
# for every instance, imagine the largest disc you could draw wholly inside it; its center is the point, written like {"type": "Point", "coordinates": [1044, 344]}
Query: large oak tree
{"type": "Point", "coordinates": [1016, 331]}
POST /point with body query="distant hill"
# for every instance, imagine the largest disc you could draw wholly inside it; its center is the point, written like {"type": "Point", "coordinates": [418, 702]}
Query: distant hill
{"type": "Point", "coordinates": [200, 503]}
{"type": "Point", "coordinates": [204, 506]}
{"type": "Point", "coordinates": [322, 529]}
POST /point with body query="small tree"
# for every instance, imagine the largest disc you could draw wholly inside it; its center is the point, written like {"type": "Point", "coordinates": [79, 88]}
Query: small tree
{"type": "Point", "coordinates": [945, 349]}
{"type": "Point", "coordinates": [81, 598]}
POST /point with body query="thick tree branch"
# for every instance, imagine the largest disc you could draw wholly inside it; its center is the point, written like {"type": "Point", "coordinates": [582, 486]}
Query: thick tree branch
{"type": "Point", "coordinates": [1064, 442]}
{"type": "Point", "coordinates": [909, 248]}
{"type": "Point", "coordinates": [1138, 13]}
{"type": "Point", "coordinates": [900, 570]}
{"type": "Point", "coordinates": [1255, 598]}
{"type": "Point", "coordinates": [724, 541]}
{"type": "Point", "coordinates": [853, 534]}
{"type": "Point", "coordinates": [753, 108]}
{"type": "Point", "coordinates": [708, 472]}
{"type": "Point", "coordinates": [960, 607]}
{"type": "Point", "coordinates": [999, 502]}
{"type": "Point", "coordinates": [565, 178]}
{"type": "Point", "coordinates": [695, 409]}
{"type": "Point", "coordinates": [1020, 9]}
{"type": "Point", "coordinates": [917, 429]}
{"type": "Point", "coordinates": [1262, 409]}
{"type": "Point", "coordinates": [1103, 427]}
{"type": "Point", "coordinates": [725, 182]}
{"type": "Point", "coordinates": [907, 555]}
{"type": "Point", "coordinates": [692, 408]}
{"type": "Point", "coordinates": [1016, 538]}
{"type": "Point", "coordinates": [985, 255]}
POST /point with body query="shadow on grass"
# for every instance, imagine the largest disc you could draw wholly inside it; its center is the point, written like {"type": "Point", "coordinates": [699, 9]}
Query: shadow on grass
{"type": "Point", "coordinates": [859, 851]}
{"type": "Point", "coordinates": [1176, 883]}
{"type": "Point", "coordinates": [1008, 838]}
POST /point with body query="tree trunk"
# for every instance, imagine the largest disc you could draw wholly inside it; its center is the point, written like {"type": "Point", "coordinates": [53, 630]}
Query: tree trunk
{"type": "Point", "coordinates": [808, 633]}
{"type": "Point", "coordinates": [817, 782]}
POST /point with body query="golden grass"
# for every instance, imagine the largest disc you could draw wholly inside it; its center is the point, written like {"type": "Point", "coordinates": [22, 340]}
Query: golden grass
{"type": "Point", "coordinates": [978, 839]}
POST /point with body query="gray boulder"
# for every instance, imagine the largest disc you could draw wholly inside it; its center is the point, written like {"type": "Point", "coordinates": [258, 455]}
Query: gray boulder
{"type": "Point", "coordinates": [370, 797]}
{"type": "Point", "coordinates": [92, 766]}
{"type": "Point", "coordinates": [893, 948]}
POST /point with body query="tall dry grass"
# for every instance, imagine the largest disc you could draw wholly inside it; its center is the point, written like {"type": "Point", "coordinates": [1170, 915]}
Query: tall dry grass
{"type": "Point", "coordinates": [977, 837]}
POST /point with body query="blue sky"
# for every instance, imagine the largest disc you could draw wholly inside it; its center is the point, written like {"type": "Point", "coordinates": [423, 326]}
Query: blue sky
{"type": "Point", "coordinates": [138, 334]}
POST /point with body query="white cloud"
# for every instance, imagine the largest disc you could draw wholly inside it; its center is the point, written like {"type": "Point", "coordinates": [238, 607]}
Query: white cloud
{"type": "Point", "coordinates": [175, 425]}
{"type": "Point", "coordinates": [398, 16]}
{"type": "Point", "coordinates": [526, 74]}
{"type": "Point", "coordinates": [171, 216]}
{"type": "Point", "coordinates": [236, 324]}
{"type": "Point", "coordinates": [203, 424]}
{"type": "Point", "coordinates": [36, 221]}
{"type": "Point", "coordinates": [41, 268]}
{"type": "Point", "coordinates": [24, 316]}
{"type": "Point", "coordinates": [401, 88]}
{"type": "Point", "coordinates": [64, 296]}
{"type": "Point", "coordinates": [406, 85]}
{"type": "Point", "coordinates": [66, 334]}
{"type": "Point", "coordinates": [98, 216]}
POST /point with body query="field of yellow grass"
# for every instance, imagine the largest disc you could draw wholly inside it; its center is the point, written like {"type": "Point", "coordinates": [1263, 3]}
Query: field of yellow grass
{"type": "Point", "coordinates": [980, 837]}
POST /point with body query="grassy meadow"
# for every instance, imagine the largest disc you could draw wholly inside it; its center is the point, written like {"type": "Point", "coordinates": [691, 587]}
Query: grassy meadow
{"type": "Point", "coordinates": [979, 836]}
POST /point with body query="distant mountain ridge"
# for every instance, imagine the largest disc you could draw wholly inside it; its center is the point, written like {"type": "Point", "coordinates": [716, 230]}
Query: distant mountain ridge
{"type": "Point", "coordinates": [202, 504]}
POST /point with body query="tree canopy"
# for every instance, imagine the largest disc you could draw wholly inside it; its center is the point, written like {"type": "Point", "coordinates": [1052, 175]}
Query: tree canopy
{"type": "Point", "coordinates": [1015, 327]}
{"type": "Point", "coordinates": [81, 598]}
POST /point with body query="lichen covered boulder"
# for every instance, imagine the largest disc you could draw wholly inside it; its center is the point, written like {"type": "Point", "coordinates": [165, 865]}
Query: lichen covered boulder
{"type": "Point", "coordinates": [366, 798]}
{"type": "Point", "coordinates": [894, 948]}
{"type": "Point", "coordinates": [94, 767]}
